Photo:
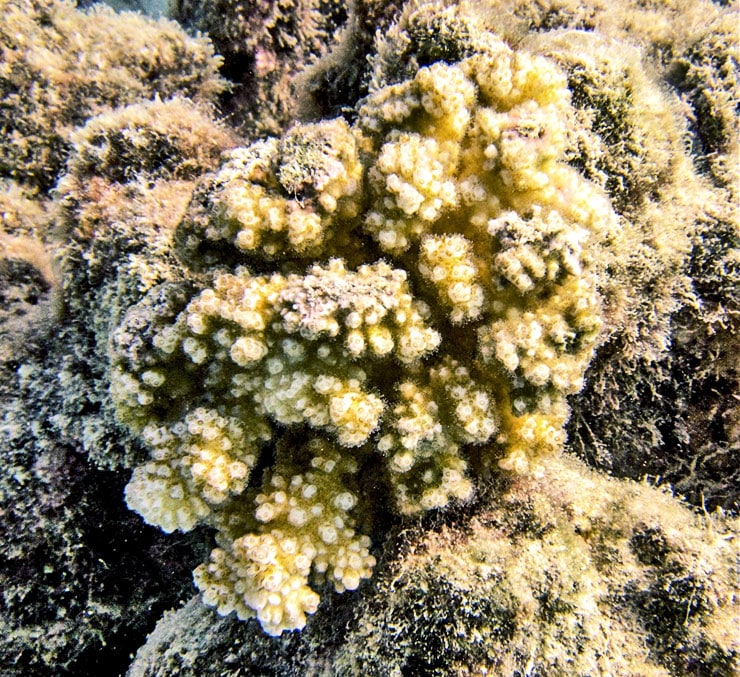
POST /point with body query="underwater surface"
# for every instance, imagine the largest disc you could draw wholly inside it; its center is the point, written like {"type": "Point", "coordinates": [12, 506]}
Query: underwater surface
{"type": "Point", "coordinates": [369, 338]}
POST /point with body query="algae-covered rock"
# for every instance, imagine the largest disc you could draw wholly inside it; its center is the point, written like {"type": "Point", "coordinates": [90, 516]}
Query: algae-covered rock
{"type": "Point", "coordinates": [81, 581]}
{"type": "Point", "coordinates": [61, 66]}
{"type": "Point", "coordinates": [571, 574]}
{"type": "Point", "coordinates": [354, 357]}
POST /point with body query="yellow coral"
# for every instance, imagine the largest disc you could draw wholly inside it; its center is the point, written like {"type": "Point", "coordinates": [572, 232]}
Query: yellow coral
{"type": "Point", "coordinates": [461, 345]}
{"type": "Point", "coordinates": [447, 262]}
{"type": "Point", "coordinates": [303, 525]}
{"type": "Point", "coordinates": [266, 201]}
{"type": "Point", "coordinates": [196, 463]}
{"type": "Point", "coordinates": [424, 434]}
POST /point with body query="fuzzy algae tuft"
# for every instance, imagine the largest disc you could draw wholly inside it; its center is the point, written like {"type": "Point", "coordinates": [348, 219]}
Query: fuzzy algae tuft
{"type": "Point", "coordinates": [572, 573]}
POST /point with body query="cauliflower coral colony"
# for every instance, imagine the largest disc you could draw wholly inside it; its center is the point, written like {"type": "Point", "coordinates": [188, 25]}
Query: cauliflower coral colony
{"type": "Point", "coordinates": [422, 287]}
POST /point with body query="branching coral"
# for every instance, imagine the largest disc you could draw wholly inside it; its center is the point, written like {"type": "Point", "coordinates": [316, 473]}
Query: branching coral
{"type": "Point", "coordinates": [277, 198]}
{"type": "Point", "coordinates": [423, 287]}
{"type": "Point", "coordinates": [301, 524]}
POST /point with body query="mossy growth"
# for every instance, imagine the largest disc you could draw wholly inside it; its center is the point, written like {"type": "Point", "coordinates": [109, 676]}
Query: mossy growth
{"type": "Point", "coordinates": [574, 573]}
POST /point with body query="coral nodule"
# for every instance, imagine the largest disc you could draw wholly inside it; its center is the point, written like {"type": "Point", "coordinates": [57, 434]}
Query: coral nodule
{"type": "Point", "coordinates": [422, 289]}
